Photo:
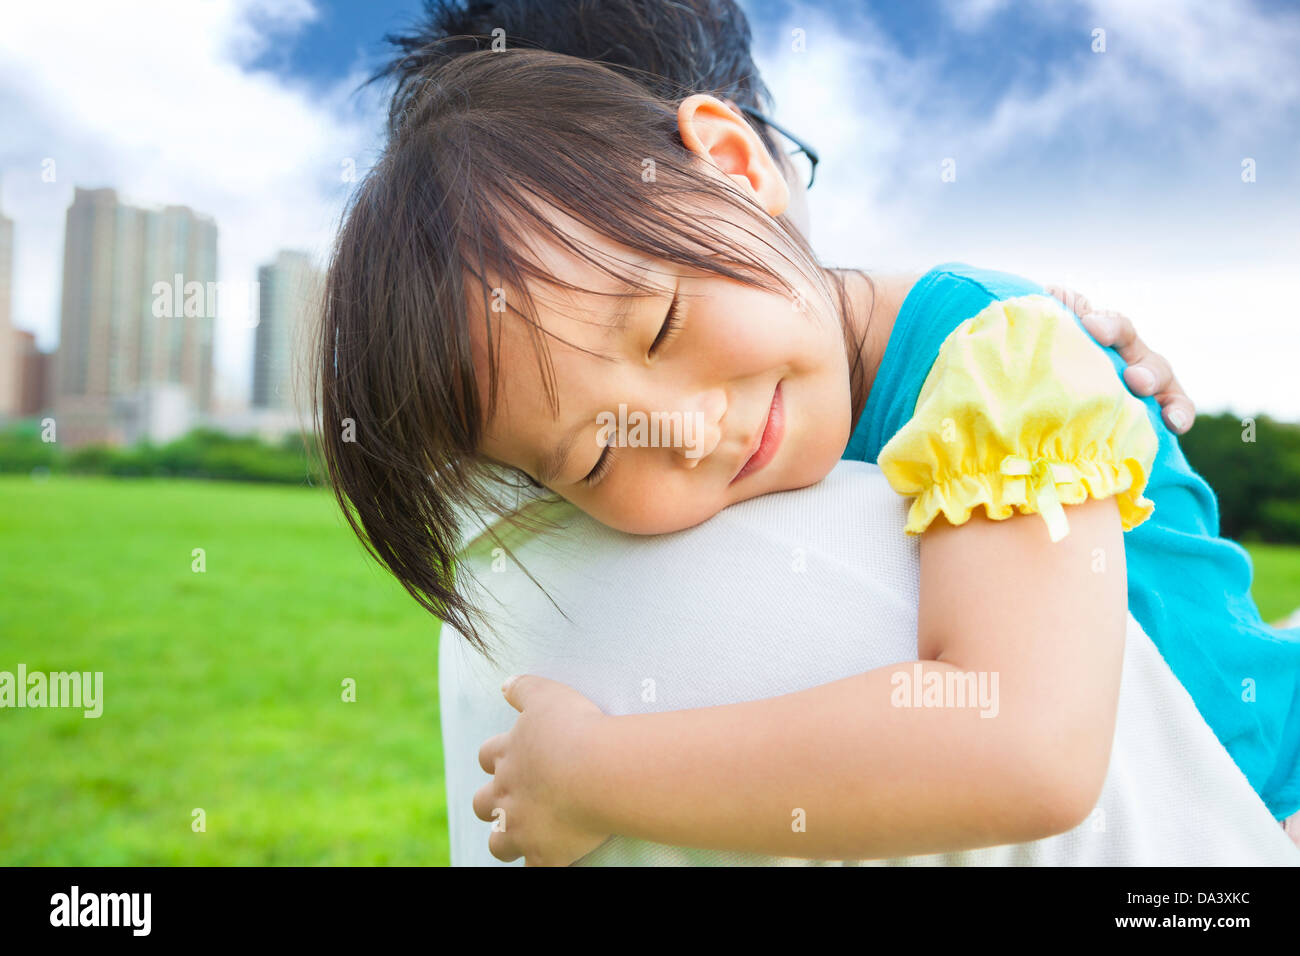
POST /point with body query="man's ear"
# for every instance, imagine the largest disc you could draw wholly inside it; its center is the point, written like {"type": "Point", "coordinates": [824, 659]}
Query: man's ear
{"type": "Point", "coordinates": [720, 136]}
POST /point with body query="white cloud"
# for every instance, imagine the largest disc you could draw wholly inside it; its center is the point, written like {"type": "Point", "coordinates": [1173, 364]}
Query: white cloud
{"type": "Point", "coordinates": [1228, 54]}
{"type": "Point", "coordinates": [162, 105]}
{"type": "Point", "coordinates": [1120, 172]}
{"type": "Point", "coordinates": [973, 14]}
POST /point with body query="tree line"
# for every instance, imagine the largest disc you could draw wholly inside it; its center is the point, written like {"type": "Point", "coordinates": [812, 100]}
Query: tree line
{"type": "Point", "coordinates": [1253, 464]}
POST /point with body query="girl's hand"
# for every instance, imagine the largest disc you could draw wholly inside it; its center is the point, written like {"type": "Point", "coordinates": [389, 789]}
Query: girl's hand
{"type": "Point", "coordinates": [1148, 372]}
{"type": "Point", "coordinates": [537, 769]}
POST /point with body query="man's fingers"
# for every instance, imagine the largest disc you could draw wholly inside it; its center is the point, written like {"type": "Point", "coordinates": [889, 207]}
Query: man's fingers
{"type": "Point", "coordinates": [1178, 411]}
{"type": "Point", "coordinates": [1153, 376]}
{"type": "Point", "coordinates": [1141, 381]}
{"type": "Point", "coordinates": [1105, 325]}
{"type": "Point", "coordinates": [1072, 300]}
{"type": "Point", "coordinates": [1148, 373]}
{"type": "Point", "coordinates": [1101, 326]}
{"type": "Point", "coordinates": [1123, 336]}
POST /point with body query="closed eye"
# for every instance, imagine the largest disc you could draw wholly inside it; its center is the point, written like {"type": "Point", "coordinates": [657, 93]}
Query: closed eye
{"type": "Point", "coordinates": [666, 331]}
{"type": "Point", "coordinates": [601, 468]}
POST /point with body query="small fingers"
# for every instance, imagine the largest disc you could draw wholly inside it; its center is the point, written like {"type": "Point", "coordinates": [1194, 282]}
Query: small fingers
{"type": "Point", "coordinates": [517, 686]}
{"type": "Point", "coordinates": [486, 802]}
{"type": "Point", "coordinates": [503, 847]}
{"type": "Point", "coordinates": [490, 751]}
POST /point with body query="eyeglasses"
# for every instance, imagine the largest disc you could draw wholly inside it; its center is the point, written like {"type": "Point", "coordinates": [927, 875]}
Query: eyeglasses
{"type": "Point", "coordinates": [803, 156]}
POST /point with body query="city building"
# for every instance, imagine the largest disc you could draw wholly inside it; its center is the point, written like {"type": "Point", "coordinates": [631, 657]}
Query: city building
{"type": "Point", "coordinates": [138, 313]}
{"type": "Point", "coordinates": [33, 375]}
{"type": "Point", "coordinates": [289, 291]}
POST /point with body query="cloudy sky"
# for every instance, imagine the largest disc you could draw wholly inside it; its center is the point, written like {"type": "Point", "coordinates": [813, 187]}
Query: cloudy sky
{"type": "Point", "coordinates": [1117, 170]}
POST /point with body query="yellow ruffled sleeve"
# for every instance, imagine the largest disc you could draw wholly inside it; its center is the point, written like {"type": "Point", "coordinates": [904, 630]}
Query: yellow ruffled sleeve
{"type": "Point", "coordinates": [1021, 411]}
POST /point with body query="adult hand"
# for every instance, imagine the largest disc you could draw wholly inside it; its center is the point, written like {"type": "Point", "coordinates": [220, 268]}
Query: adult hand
{"type": "Point", "coordinates": [1148, 372]}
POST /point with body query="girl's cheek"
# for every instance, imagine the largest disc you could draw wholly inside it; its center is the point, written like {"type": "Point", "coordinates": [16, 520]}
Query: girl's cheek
{"type": "Point", "coordinates": [759, 314]}
{"type": "Point", "coordinates": [656, 502]}
{"type": "Point", "coordinates": [744, 343]}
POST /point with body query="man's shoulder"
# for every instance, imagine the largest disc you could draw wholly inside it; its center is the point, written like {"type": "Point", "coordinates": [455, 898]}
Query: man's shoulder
{"type": "Point", "coordinates": [554, 537]}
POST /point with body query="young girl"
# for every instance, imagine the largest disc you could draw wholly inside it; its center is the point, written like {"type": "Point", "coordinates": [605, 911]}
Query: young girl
{"type": "Point", "coordinates": [545, 244]}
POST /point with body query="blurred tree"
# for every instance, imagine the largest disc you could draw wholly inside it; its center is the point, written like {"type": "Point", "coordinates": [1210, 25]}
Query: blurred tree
{"type": "Point", "coordinates": [1253, 464]}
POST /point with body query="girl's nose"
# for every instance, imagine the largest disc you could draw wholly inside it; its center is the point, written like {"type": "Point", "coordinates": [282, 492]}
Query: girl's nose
{"type": "Point", "coordinates": [701, 426]}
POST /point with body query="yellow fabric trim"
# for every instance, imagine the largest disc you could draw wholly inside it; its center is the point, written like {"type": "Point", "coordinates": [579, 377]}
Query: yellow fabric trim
{"type": "Point", "coordinates": [1021, 413]}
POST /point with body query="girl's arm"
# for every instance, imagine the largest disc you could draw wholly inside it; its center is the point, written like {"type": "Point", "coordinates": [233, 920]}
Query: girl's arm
{"type": "Point", "coordinates": [843, 771]}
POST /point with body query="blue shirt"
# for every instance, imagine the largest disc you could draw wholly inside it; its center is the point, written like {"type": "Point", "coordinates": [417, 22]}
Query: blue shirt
{"type": "Point", "coordinates": [1187, 587]}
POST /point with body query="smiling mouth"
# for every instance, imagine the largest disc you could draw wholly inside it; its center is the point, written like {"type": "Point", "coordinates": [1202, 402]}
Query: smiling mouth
{"type": "Point", "coordinates": [769, 441]}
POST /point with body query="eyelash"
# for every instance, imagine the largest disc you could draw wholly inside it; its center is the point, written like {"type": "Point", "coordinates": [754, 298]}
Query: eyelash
{"type": "Point", "coordinates": [667, 331]}
{"type": "Point", "coordinates": [603, 464]}
{"type": "Point", "coordinates": [671, 324]}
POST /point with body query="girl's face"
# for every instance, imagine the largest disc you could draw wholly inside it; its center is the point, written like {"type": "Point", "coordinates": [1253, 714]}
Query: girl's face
{"type": "Point", "coordinates": [671, 406]}
{"type": "Point", "coordinates": [675, 405]}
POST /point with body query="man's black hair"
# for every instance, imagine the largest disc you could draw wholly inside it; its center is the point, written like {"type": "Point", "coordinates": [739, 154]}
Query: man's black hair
{"type": "Point", "coordinates": [675, 47]}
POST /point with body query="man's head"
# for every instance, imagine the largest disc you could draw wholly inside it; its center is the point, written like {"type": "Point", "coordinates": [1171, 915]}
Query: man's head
{"type": "Point", "coordinates": [673, 47]}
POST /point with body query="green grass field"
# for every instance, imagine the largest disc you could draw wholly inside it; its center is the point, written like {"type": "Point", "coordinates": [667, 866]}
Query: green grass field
{"type": "Point", "coordinates": [223, 689]}
{"type": "Point", "coordinates": [1277, 579]}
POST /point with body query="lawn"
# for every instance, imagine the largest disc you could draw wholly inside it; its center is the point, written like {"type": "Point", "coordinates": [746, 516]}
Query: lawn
{"type": "Point", "coordinates": [222, 689]}
{"type": "Point", "coordinates": [1277, 579]}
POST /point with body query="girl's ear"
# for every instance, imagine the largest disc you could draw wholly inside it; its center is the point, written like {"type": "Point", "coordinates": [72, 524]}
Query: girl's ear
{"type": "Point", "coordinates": [722, 138]}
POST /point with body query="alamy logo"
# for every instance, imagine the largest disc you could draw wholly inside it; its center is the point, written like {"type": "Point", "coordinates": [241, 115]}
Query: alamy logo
{"type": "Point", "coordinates": [651, 430]}
{"type": "Point", "coordinates": [82, 689]}
{"type": "Point", "coordinates": [177, 298]}
{"type": "Point", "coordinates": [935, 688]}
{"type": "Point", "coordinates": [102, 909]}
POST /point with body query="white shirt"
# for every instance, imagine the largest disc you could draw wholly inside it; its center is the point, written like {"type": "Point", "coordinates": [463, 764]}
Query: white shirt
{"type": "Point", "coordinates": [790, 591]}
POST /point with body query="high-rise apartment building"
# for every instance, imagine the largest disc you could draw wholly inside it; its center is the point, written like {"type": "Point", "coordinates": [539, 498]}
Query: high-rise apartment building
{"type": "Point", "coordinates": [289, 291]}
{"type": "Point", "coordinates": [139, 310]}
{"type": "Point", "coordinates": [32, 372]}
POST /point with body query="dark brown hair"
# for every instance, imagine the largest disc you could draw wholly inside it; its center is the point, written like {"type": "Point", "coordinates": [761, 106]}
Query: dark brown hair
{"type": "Point", "coordinates": [488, 142]}
{"type": "Point", "coordinates": [671, 47]}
